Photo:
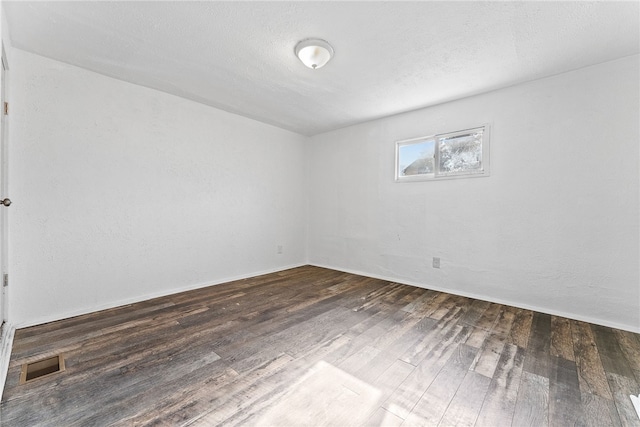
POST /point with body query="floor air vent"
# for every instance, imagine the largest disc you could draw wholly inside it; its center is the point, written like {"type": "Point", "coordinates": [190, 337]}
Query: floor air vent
{"type": "Point", "coordinates": [41, 368]}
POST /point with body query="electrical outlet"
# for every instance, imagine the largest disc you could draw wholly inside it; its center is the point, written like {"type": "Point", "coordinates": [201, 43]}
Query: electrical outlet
{"type": "Point", "coordinates": [279, 249]}
{"type": "Point", "coordinates": [436, 262]}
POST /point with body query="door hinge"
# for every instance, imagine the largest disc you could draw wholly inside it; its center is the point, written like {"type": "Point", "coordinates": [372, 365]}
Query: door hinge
{"type": "Point", "coordinates": [6, 108]}
{"type": "Point", "coordinates": [5, 280]}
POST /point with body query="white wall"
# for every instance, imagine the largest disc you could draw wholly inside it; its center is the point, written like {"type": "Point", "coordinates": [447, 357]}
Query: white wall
{"type": "Point", "coordinates": [555, 226]}
{"type": "Point", "coordinates": [122, 193]}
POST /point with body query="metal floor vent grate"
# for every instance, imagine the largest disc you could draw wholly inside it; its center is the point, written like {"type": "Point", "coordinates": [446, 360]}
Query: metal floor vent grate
{"type": "Point", "coordinates": [41, 368]}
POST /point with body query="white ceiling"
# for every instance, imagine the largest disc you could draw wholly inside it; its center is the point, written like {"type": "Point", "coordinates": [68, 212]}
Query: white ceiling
{"type": "Point", "coordinates": [390, 57]}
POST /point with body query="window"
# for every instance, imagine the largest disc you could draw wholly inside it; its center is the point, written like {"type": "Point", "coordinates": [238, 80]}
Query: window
{"type": "Point", "coordinates": [457, 154]}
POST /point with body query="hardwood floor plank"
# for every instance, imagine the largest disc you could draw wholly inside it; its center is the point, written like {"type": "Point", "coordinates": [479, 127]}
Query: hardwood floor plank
{"type": "Point", "coordinates": [404, 331]}
{"type": "Point", "coordinates": [564, 393]}
{"type": "Point", "coordinates": [183, 404]}
{"type": "Point", "coordinates": [390, 379]}
{"type": "Point", "coordinates": [49, 341]}
{"type": "Point", "coordinates": [394, 325]}
{"type": "Point", "coordinates": [400, 296]}
{"type": "Point", "coordinates": [379, 332]}
{"type": "Point", "coordinates": [383, 418]}
{"type": "Point", "coordinates": [412, 337]}
{"type": "Point", "coordinates": [269, 388]}
{"type": "Point", "coordinates": [421, 301]}
{"type": "Point", "coordinates": [445, 327]}
{"type": "Point", "coordinates": [484, 325]}
{"type": "Point", "coordinates": [487, 358]}
{"type": "Point", "coordinates": [532, 406]}
{"type": "Point", "coordinates": [360, 358]}
{"type": "Point", "coordinates": [434, 304]}
{"type": "Point", "coordinates": [590, 371]}
{"type": "Point", "coordinates": [324, 349]}
{"type": "Point", "coordinates": [87, 322]}
{"type": "Point", "coordinates": [475, 312]}
{"type": "Point", "coordinates": [339, 399]}
{"type": "Point", "coordinates": [297, 339]}
{"type": "Point", "coordinates": [409, 392]}
{"type": "Point", "coordinates": [386, 384]}
{"type": "Point", "coordinates": [465, 405]}
{"type": "Point", "coordinates": [500, 400]}
{"type": "Point", "coordinates": [129, 379]}
{"type": "Point", "coordinates": [540, 337]}
{"type": "Point", "coordinates": [503, 325]}
{"type": "Point", "coordinates": [312, 345]}
{"type": "Point", "coordinates": [258, 389]}
{"type": "Point", "coordinates": [162, 389]}
{"type": "Point", "coordinates": [519, 334]}
{"type": "Point", "coordinates": [453, 303]}
{"type": "Point", "coordinates": [477, 337]}
{"type": "Point", "coordinates": [622, 387]}
{"type": "Point", "coordinates": [561, 339]}
{"type": "Point", "coordinates": [344, 352]}
{"type": "Point", "coordinates": [431, 407]}
{"type": "Point", "coordinates": [630, 346]}
{"type": "Point", "coordinates": [378, 296]}
{"type": "Point", "coordinates": [537, 355]}
{"type": "Point", "coordinates": [598, 412]}
{"type": "Point", "coordinates": [81, 363]}
{"type": "Point", "coordinates": [255, 350]}
{"type": "Point", "coordinates": [611, 355]}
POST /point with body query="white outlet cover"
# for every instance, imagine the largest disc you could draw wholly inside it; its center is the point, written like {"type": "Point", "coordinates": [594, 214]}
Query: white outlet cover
{"type": "Point", "coordinates": [636, 403]}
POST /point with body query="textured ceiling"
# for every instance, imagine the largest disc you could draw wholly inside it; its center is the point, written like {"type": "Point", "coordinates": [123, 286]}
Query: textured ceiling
{"type": "Point", "coordinates": [390, 57]}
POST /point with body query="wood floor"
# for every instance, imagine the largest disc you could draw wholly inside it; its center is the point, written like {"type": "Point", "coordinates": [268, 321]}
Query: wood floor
{"type": "Point", "coordinates": [311, 346]}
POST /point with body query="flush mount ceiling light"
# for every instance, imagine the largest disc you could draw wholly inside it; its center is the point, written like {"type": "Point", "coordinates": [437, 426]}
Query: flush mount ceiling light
{"type": "Point", "coordinates": [314, 53]}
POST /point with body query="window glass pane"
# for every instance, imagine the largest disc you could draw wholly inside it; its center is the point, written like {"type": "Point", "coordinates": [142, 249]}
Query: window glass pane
{"type": "Point", "coordinates": [460, 153]}
{"type": "Point", "coordinates": [416, 158]}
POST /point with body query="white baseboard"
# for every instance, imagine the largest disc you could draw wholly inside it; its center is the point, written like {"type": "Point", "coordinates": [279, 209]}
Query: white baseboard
{"type": "Point", "coordinates": [146, 297]}
{"type": "Point", "coordinates": [6, 344]}
{"type": "Point", "coordinates": [492, 299]}
{"type": "Point", "coordinates": [140, 298]}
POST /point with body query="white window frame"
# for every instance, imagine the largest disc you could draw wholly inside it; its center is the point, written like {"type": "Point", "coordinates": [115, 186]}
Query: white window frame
{"type": "Point", "coordinates": [437, 175]}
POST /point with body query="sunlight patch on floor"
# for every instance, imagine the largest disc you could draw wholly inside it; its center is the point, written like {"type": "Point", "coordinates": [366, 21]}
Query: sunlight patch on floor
{"type": "Point", "coordinates": [325, 396]}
